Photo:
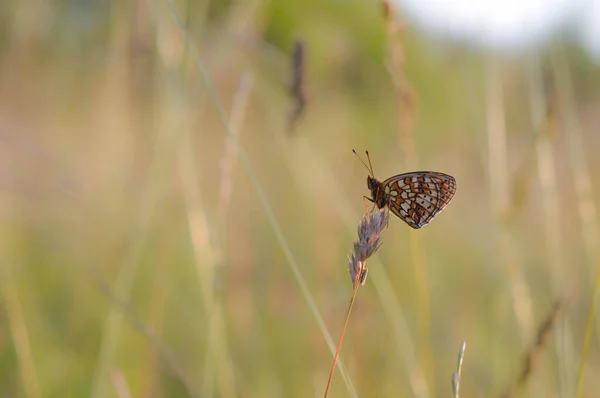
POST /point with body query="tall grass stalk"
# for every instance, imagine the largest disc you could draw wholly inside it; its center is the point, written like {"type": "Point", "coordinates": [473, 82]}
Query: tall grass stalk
{"type": "Point", "coordinates": [120, 384]}
{"type": "Point", "coordinates": [218, 356]}
{"type": "Point", "coordinates": [580, 170]}
{"type": "Point", "coordinates": [171, 361]}
{"type": "Point", "coordinates": [210, 255]}
{"type": "Point", "coordinates": [370, 229]}
{"type": "Point", "coordinates": [229, 159]}
{"type": "Point", "coordinates": [149, 196]}
{"type": "Point", "coordinates": [531, 357]}
{"type": "Point", "coordinates": [341, 338]}
{"type": "Point", "coordinates": [585, 347]}
{"type": "Point", "coordinates": [458, 371]}
{"type": "Point", "coordinates": [323, 177]}
{"type": "Point", "coordinates": [587, 209]}
{"type": "Point", "coordinates": [405, 103]}
{"type": "Point", "coordinates": [498, 182]}
{"type": "Point", "coordinates": [19, 333]}
{"type": "Point", "coordinates": [245, 162]}
{"type": "Point", "coordinates": [545, 119]}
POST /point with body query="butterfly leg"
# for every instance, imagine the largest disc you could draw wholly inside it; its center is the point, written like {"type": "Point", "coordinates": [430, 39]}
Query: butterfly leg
{"type": "Point", "coordinates": [365, 198]}
{"type": "Point", "coordinates": [387, 224]}
{"type": "Point", "coordinates": [363, 276]}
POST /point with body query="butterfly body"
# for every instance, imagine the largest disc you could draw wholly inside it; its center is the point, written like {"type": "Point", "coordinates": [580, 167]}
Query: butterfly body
{"type": "Point", "coordinates": [415, 197]}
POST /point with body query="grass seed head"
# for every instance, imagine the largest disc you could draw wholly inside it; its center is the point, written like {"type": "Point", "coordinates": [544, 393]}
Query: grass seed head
{"type": "Point", "coordinates": [370, 229]}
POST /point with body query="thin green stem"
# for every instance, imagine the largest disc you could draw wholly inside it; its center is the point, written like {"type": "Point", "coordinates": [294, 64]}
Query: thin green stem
{"type": "Point", "coordinates": [259, 192]}
{"type": "Point", "coordinates": [344, 327]}
{"type": "Point", "coordinates": [585, 348]}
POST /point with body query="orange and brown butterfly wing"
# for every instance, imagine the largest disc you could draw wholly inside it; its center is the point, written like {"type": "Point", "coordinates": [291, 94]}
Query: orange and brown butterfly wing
{"type": "Point", "coordinates": [417, 197]}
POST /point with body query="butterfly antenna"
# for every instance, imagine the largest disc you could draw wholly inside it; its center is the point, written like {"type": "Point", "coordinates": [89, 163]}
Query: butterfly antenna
{"type": "Point", "coordinates": [363, 162]}
{"type": "Point", "coordinates": [370, 165]}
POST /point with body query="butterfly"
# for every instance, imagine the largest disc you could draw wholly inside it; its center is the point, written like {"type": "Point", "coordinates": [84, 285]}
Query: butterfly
{"type": "Point", "coordinates": [416, 197]}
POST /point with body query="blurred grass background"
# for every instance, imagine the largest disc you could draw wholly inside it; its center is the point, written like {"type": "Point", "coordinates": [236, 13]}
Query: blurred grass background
{"type": "Point", "coordinates": [141, 256]}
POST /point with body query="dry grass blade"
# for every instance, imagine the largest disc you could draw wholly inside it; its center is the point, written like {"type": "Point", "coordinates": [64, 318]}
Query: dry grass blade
{"type": "Point", "coordinates": [20, 334]}
{"type": "Point", "coordinates": [582, 173]}
{"type": "Point", "coordinates": [533, 353]}
{"type": "Point", "coordinates": [546, 116]}
{"type": "Point", "coordinates": [257, 188]}
{"type": "Point", "coordinates": [297, 88]}
{"type": "Point", "coordinates": [172, 366]}
{"type": "Point", "coordinates": [585, 349]}
{"type": "Point", "coordinates": [458, 371]}
{"type": "Point", "coordinates": [404, 92]}
{"type": "Point", "coordinates": [227, 163]}
{"type": "Point", "coordinates": [120, 384]}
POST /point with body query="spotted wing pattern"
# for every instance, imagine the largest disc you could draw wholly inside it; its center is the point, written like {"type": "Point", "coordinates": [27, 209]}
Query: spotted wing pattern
{"type": "Point", "coordinates": [417, 197]}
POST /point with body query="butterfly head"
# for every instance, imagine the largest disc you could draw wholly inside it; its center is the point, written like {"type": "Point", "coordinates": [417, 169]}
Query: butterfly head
{"type": "Point", "coordinates": [373, 183]}
{"type": "Point", "coordinates": [376, 188]}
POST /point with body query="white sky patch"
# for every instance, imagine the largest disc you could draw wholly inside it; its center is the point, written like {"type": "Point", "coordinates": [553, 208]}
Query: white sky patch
{"type": "Point", "coordinates": [499, 24]}
{"type": "Point", "coordinates": [589, 28]}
